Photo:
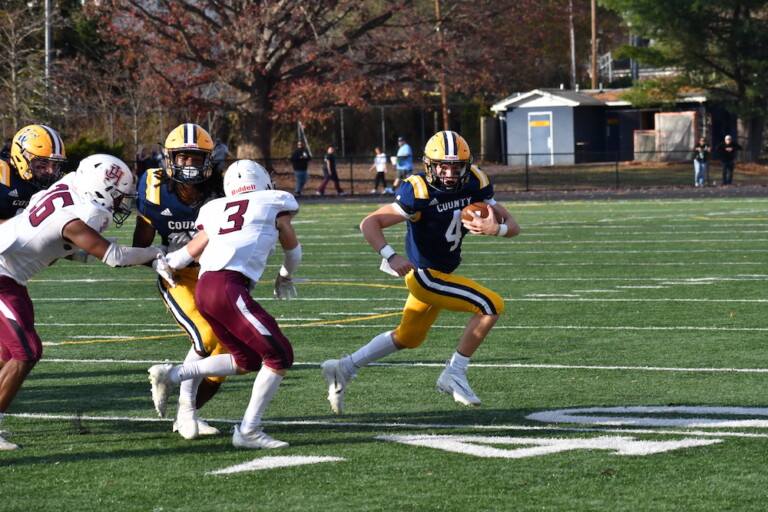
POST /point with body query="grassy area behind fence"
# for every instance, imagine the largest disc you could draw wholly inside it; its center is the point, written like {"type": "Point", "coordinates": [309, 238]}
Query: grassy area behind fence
{"type": "Point", "coordinates": [357, 179]}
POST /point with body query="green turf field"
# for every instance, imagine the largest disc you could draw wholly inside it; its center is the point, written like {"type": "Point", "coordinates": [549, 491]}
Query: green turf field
{"type": "Point", "coordinates": [629, 372]}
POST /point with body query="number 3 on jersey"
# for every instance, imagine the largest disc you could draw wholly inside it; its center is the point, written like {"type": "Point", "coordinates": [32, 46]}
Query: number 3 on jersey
{"type": "Point", "coordinates": [235, 218]}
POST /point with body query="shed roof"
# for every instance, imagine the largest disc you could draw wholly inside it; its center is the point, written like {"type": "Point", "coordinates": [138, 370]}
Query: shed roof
{"type": "Point", "coordinates": [586, 97]}
{"type": "Point", "coordinates": [547, 98]}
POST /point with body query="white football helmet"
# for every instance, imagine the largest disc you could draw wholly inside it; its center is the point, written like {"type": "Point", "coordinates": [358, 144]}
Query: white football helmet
{"type": "Point", "coordinates": [246, 176]}
{"type": "Point", "coordinates": [108, 184]}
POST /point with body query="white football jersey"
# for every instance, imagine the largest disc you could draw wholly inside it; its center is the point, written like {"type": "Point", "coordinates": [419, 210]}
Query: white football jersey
{"type": "Point", "coordinates": [33, 239]}
{"type": "Point", "coordinates": [241, 231]}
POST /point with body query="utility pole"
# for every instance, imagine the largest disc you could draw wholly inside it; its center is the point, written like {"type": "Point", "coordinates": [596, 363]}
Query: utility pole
{"type": "Point", "coordinates": [443, 88]}
{"type": "Point", "coordinates": [594, 44]}
{"type": "Point", "coordinates": [574, 83]}
{"type": "Point", "coordinates": [48, 45]}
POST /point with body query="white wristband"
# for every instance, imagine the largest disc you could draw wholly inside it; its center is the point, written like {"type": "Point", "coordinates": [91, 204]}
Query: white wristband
{"type": "Point", "coordinates": [180, 258]}
{"type": "Point", "coordinates": [387, 252]}
{"type": "Point", "coordinates": [503, 228]}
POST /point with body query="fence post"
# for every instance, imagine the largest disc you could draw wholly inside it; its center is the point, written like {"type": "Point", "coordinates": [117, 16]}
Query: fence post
{"type": "Point", "coordinates": [527, 174]}
{"type": "Point", "coordinates": [351, 176]}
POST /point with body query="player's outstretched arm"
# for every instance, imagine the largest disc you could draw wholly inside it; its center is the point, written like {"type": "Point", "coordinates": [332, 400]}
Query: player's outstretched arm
{"type": "Point", "coordinates": [284, 288]}
{"type": "Point", "coordinates": [88, 239]}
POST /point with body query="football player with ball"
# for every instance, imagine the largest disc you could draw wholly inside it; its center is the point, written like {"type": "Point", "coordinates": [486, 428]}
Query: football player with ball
{"type": "Point", "coordinates": [432, 202]}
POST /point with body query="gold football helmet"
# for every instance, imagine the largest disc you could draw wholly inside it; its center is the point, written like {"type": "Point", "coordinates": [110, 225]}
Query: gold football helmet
{"type": "Point", "coordinates": [37, 153]}
{"type": "Point", "coordinates": [189, 139]}
{"type": "Point", "coordinates": [447, 147]}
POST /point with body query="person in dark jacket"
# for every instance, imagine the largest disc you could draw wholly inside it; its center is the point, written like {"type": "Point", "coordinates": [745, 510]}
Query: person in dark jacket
{"type": "Point", "coordinates": [727, 151]}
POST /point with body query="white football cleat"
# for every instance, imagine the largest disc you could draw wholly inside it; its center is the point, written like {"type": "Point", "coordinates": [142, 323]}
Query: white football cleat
{"type": "Point", "coordinates": [190, 426]}
{"type": "Point", "coordinates": [161, 386]}
{"type": "Point", "coordinates": [185, 423]}
{"type": "Point", "coordinates": [256, 440]}
{"type": "Point", "coordinates": [456, 384]}
{"type": "Point", "coordinates": [203, 428]}
{"type": "Point", "coordinates": [337, 380]}
{"type": "Point", "coordinates": [7, 445]}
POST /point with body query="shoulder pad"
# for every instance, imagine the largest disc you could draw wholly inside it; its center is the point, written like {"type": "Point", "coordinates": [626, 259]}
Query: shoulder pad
{"type": "Point", "coordinates": [5, 173]}
{"type": "Point", "coordinates": [152, 184]}
{"type": "Point", "coordinates": [480, 175]}
{"type": "Point", "coordinates": [420, 187]}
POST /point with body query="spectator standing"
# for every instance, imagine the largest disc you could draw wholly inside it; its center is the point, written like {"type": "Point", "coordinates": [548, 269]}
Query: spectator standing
{"type": "Point", "coordinates": [144, 160]}
{"type": "Point", "coordinates": [300, 161]}
{"type": "Point", "coordinates": [404, 165]}
{"type": "Point", "coordinates": [727, 151]}
{"type": "Point", "coordinates": [329, 173]}
{"type": "Point", "coordinates": [220, 155]}
{"type": "Point", "coordinates": [380, 166]}
{"type": "Point", "coordinates": [700, 162]}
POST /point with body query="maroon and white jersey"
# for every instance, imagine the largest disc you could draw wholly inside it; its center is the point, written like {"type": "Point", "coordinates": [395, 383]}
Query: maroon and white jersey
{"type": "Point", "coordinates": [241, 231]}
{"type": "Point", "coordinates": [33, 239]}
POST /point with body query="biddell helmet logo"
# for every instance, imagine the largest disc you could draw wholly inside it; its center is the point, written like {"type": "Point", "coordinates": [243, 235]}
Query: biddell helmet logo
{"type": "Point", "coordinates": [243, 188]}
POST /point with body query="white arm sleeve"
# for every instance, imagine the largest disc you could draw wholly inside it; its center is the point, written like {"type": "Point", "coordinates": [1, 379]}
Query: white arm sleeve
{"type": "Point", "coordinates": [122, 256]}
{"type": "Point", "coordinates": [291, 261]}
{"type": "Point", "coordinates": [180, 258]}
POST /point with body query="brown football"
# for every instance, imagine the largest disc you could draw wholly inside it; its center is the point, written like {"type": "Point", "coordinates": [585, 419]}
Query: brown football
{"type": "Point", "coordinates": [468, 212]}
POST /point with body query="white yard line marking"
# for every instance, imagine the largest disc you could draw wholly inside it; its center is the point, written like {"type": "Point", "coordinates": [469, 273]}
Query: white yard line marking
{"type": "Point", "coordinates": [441, 365]}
{"type": "Point", "coordinates": [478, 445]}
{"type": "Point", "coordinates": [272, 462]}
{"type": "Point", "coordinates": [390, 425]}
{"type": "Point", "coordinates": [639, 416]}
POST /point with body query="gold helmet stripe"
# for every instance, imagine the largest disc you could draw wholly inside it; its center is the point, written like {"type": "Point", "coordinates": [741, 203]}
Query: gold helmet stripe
{"type": "Point", "coordinates": [190, 134]}
{"type": "Point", "coordinates": [57, 146]}
{"type": "Point", "coordinates": [450, 144]}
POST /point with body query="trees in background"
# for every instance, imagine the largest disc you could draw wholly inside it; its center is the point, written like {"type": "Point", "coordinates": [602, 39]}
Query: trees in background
{"type": "Point", "coordinates": [22, 60]}
{"type": "Point", "coordinates": [132, 69]}
{"type": "Point", "coordinates": [718, 45]}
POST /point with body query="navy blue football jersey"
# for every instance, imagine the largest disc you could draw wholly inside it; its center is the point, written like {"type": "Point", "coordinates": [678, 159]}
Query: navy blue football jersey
{"type": "Point", "coordinates": [163, 209]}
{"type": "Point", "coordinates": [15, 192]}
{"type": "Point", "coordinates": [435, 231]}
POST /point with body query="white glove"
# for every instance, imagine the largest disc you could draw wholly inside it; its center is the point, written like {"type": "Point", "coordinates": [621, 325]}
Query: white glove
{"type": "Point", "coordinates": [178, 240]}
{"type": "Point", "coordinates": [284, 288]}
{"type": "Point", "coordinates": [160, 265]}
